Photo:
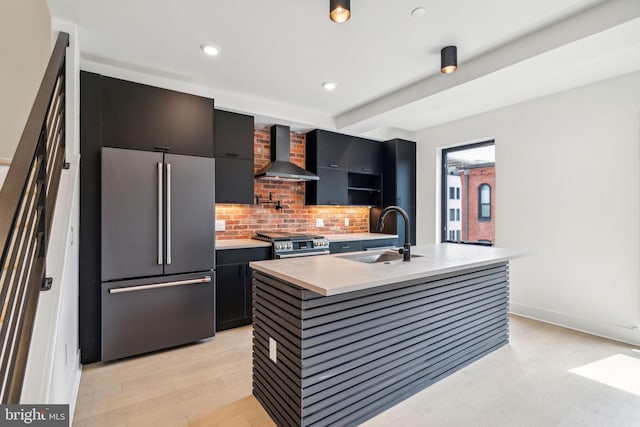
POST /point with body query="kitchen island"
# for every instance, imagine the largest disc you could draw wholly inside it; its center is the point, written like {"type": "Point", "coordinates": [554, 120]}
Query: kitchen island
{"type": "Point", "coordinates": [340, 338]}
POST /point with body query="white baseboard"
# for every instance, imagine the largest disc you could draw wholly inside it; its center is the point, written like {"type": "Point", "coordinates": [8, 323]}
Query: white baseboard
{"type": "Point", "coordinates": [625, 334]}
{"type": "Point", "coordinates": [72, 394]}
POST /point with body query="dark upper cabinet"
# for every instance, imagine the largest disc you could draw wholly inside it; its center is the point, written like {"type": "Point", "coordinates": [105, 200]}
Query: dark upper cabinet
{"type": "Point", "coordinates": [399, 186]}
{"type": "Point", "coordinates": [349, 169]}
{"type": "Point", "coordinates": [399, 173]}
{"type": "Point", "coordinates": [365, 156]}
{"type": "Point", "coordinates": [405, 165]}
{"type": "Point", "coordinates": [149, 118]}
{"type": "Point", "coordinates": [330, 189]}
{"type": "Point", "coordinates": [326, 150]}
{"type": "Point", "coordinates": [234, 157]}
{"type": "Point", "coordinates": [234, 135]}
{"type": "Point", "coordinates": [234, 181]}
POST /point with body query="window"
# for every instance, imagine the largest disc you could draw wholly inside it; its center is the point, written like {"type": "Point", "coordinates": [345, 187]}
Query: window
{"type": "Point", "coordinates": [468, 193]}
{"type": "Point", "coordinates": [484, 202]}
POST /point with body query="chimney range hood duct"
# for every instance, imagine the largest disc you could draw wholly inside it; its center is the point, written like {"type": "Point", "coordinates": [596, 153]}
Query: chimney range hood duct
{"type": "Point", "coordinates": [281, 169]}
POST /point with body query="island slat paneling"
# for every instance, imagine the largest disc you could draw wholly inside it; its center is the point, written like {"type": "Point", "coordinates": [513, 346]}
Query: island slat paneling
{"type": "Point", "coordinates": [343, 359]}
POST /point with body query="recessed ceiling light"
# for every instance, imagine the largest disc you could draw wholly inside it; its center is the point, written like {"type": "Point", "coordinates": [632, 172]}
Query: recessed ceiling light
{"type": "Point", "coordinates": [210, 49]}
{"type": "Point", "coordinates": [418, 11]}
{"type": "Point", "coordinates": [329, 85]}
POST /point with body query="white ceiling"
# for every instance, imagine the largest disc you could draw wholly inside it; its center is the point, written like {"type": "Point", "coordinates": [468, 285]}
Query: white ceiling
{"type": "Point", "coordinates": [275, 54]}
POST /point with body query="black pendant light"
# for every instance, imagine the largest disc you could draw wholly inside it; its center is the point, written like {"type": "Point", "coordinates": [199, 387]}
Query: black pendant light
{"type": "Point", "coordinates": [340, 10]}
{"type": "Point", "coordinates": [448, 59]}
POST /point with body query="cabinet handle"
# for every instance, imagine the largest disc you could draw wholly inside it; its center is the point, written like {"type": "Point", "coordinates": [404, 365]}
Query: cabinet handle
{"type": "Point", "coordinates": [366, 169]}
{"type": "Point", "coordinates": [333, 165]}
{"type": "Point", "coordinates": [205, 279]}
{"type": "Point", "coordinates": [332, 203]}
{"type": "Point", "coordinates": [159, 213]}
{"type": "Point", "coordinates": [168, 213]}
{"type": "Point", "coordinates": [345, 247]}
{"type": "Point", "coordinates": [232, 154]}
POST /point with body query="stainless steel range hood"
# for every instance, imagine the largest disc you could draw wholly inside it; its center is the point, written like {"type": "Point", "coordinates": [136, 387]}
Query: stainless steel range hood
{"type": "Point", "coordinates": [281, 169]}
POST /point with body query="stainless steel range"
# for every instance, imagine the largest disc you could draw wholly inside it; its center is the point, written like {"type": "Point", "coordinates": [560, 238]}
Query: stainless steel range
{"type": "Point", "coordinates": [289, 245]}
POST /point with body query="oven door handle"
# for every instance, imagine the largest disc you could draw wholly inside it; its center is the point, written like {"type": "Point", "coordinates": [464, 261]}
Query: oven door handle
{"type": "Point", "coordinates": [279, 256]}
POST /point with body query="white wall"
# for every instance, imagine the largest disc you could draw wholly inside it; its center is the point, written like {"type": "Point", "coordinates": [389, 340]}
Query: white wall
{"type": "Point", "coordinates": [25, 43]}
{"type": "Point", "coordinates": [568, 195]}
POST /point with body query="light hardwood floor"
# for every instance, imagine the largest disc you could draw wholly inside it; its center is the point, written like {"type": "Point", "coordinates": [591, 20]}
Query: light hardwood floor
{"type": "Point", "coordinates": [526, 383]}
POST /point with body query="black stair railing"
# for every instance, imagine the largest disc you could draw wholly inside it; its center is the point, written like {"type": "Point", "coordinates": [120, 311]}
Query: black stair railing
{"type": "Point", "coordinates": [27, 201]}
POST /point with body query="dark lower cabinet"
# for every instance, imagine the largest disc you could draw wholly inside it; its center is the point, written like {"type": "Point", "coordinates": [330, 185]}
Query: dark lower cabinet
{"type": "Point", "coordinates": [233, 296]}
{"type": "Point", "coordinates": [233, 292]}
{"type": "Point", "coordinates": [362, 245]}
{"type": "Point", "coordinates": [342, 247]}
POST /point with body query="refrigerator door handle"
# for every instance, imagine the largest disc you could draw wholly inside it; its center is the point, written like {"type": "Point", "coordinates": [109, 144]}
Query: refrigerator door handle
{"type": "Point", "coordinates": [205, 279]}
{"type": "Point", "coordinates": [168, 213]}
{"type": "Point", "coordinates": [159, 213]}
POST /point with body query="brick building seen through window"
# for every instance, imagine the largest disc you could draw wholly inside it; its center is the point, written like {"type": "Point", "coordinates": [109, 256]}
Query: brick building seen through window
{"type": "Point", "coordinates": [471, 192]}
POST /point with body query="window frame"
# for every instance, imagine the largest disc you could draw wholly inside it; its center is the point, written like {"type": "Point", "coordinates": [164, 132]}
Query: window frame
{"type": "Point", "coordinates": [444, 190]}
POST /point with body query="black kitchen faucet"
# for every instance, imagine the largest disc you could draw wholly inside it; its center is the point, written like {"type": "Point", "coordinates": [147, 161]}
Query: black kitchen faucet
{"type": "Point", "coordinates": [406, 248]}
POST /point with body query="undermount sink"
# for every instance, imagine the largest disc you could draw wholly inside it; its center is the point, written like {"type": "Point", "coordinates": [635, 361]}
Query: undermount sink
{"type": "Point", "coordinates": [377, 257]}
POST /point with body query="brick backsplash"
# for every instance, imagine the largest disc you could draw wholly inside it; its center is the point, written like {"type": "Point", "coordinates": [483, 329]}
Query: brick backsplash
{"type": "Point", "coordinates": [241, 221]}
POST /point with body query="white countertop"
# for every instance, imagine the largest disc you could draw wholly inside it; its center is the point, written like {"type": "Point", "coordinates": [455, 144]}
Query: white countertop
{"type": "Point", "coordinates": [333, 274]}
{"type": "Point", "coordinates": [358, 236]}
{"type": "Point", "coordinates": [241, 243]}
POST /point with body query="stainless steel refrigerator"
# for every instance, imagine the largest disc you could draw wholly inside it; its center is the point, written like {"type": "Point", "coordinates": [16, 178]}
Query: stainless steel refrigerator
{"type": "Point", "coordinates": [157, 241]}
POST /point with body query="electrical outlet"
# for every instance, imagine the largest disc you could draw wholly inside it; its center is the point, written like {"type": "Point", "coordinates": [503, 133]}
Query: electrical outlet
{"type": "Point", "coordinates": [220, 224]}
{"type": "Point", "coordinates": [319, 222]}
{"type": "Point", "coordinates": [346, 222]}
{"type": "Point", "coordinates": [273, 350]}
